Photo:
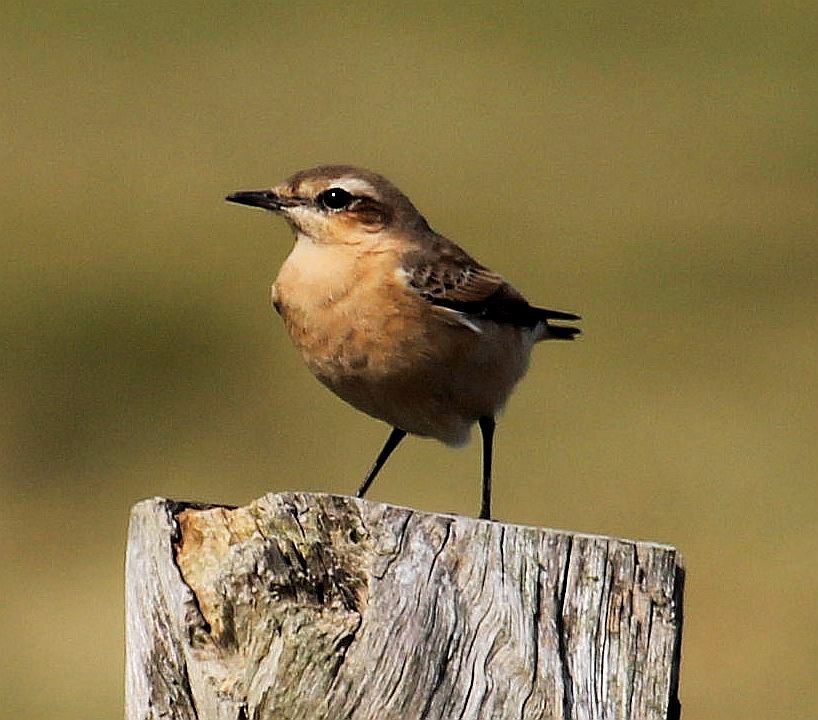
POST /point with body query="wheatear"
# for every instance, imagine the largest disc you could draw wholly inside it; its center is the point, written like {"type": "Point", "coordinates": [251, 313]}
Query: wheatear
{"type": "Point", "coordinates": [395, 319]}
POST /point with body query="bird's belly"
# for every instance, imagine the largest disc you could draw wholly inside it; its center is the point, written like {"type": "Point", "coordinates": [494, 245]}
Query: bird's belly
{"type": "Point", "coordinates": [428, 379]}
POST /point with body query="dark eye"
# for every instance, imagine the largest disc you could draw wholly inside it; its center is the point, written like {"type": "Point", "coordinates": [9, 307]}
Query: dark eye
{"type": "Point", "coordinates": [334, 199]}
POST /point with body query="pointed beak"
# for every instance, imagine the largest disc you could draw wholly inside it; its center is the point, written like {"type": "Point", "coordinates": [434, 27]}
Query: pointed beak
{"type": "Point", "coordinates": [265, 199]}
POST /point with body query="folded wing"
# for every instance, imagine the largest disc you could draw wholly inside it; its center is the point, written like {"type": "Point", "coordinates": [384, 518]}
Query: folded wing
{"type": "Point", "coordinates": [453, 281]}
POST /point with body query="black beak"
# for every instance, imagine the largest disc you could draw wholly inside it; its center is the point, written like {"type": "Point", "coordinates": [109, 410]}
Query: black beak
{"type": "Point", "coordinates": [265, 199]}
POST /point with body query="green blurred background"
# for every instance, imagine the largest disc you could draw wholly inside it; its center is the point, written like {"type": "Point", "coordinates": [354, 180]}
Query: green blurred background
{"type": "Point", "coordinates": [653, 166]}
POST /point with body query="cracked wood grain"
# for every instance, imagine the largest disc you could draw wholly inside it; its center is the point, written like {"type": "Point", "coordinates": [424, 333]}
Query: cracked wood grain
{"type": "Point", "coordinates": [317, 606]}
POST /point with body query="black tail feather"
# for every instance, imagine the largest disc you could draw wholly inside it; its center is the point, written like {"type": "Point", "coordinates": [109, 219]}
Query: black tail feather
{"type": "Point", "coordinates": [557, 332]}
{"type": "Point", "coordinates": [556, 315]}
{"type": "Point", "coordinates": [561, 332]}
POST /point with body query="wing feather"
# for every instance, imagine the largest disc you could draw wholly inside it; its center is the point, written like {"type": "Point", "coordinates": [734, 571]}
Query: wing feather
{"type": "Point", "coordinates": [449, 278]}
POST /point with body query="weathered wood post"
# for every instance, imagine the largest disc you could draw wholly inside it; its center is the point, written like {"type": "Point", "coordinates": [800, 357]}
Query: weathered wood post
{"type": "Point", "coordinates": [302, 607]}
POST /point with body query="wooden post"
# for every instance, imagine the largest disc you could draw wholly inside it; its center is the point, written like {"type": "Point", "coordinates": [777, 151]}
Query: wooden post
{"type": "Point", "coordinates": [305, 606]}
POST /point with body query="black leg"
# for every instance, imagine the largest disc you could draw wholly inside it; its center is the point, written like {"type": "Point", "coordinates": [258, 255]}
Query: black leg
{"type": "Point", "coordinates": [391, 443]}
{"type": "Point", "coordinates": [487, 425]}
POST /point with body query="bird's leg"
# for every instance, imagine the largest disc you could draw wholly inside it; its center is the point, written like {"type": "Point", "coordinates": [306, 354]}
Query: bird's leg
{"type": "Point", "coordinates": [487, 425]}
{"type": "Point", "coordinates": [391, 443]}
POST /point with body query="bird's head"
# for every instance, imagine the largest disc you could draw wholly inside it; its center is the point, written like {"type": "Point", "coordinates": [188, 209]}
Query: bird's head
{"type": "Point", "coordinates": [337, 204]}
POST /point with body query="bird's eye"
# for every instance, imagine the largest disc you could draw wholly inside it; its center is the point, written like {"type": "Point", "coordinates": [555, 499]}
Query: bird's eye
{"type": "Point", "coordinates": [334, 199]}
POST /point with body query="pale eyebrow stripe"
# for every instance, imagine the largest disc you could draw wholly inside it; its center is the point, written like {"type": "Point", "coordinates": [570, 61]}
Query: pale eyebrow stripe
{"type": "Point", "coordinates": [355, 186]}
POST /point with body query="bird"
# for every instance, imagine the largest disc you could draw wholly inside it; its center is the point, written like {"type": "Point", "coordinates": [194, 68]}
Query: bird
{"type": "Point", "coordinates": [396, 319]}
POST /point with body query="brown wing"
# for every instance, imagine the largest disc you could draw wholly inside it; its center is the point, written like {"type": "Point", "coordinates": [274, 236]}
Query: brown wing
{"type": "Point", "coordinates": [448, 277]}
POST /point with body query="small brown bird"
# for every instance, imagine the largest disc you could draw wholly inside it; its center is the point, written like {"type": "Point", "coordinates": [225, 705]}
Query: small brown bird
{"type": "Point", "coordinates": [395, 319]}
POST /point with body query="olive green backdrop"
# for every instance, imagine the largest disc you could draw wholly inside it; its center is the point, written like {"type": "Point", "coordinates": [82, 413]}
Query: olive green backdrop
{"type": "Point", "coordinates": [653, 166]}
